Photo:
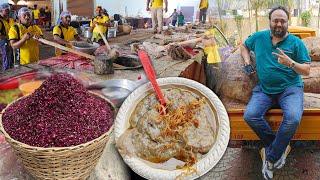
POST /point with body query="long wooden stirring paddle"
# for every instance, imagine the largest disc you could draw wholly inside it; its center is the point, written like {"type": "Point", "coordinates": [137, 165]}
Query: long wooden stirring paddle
{"type": "Point", "coordinates": [54, 44]}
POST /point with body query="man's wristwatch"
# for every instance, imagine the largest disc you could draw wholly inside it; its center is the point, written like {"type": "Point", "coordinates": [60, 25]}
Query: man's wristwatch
{"type": "Point", "coordinates": [292, 65]}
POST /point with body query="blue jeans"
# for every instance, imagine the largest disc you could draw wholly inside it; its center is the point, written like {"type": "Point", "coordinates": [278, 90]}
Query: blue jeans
{"type": "Point", "coordinates": [7, 55]}
{"type": "Point", "coordinates": [291, 103]}
{"type": "Point", "coordinates": [203, 15]}
{"type": "Point", "coordinates": [174, 22]}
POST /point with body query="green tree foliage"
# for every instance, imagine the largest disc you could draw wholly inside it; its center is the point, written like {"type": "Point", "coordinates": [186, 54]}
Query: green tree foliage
{"type": "Point", "coordinates": [256, 6]}
{"type": "Point", "coordinates": [305, 18]}
{"type": "Point", "coordinates": [239, 21]}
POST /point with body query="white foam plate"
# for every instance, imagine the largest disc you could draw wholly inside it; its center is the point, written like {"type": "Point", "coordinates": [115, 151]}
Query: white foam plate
{"type": "Point", "coordinates": [202, 166]}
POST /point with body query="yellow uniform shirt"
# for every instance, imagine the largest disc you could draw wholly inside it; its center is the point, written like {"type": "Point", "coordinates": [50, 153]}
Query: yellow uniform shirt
{"type": "Point", "coordinates": [204, 4]}
{"type": "Point", "coordinates": [67, 34]}
{"type": "Point", "coordinates": [157, 4]}
{"type": "Point", "coordinates": [210, 32]}
{"type": "Point", "coordinates": [212, 51]}
{"type": "Point", "coordinates": [99, 19]}
{"type": "Point", "coordinates": [36, 13]}
{"type": "Point", "coordinates": [29, 51]}
{"type": "Point", "coordinates": [7, 25]}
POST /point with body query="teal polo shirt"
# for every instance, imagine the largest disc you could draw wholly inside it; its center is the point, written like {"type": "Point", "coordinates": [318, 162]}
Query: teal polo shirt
{"type": "Point", "coordinates": [274, 77]}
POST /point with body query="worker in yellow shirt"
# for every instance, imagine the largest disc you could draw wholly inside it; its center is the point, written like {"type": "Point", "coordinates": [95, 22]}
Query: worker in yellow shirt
{"type": "Point", "coordinates": [23, 37]}
{"type": "Point", "coordinates": [213, 65]}
{"type": "Point", "coordinates": [204, 4]}
{"type": "Point", "coordinates": [36, 14]}
{"type": "Point", "coordinates": [63, 33]}
{"type": "Point", "coordinates": [211, 49]}
{"type": "Point", "coordinates": [99, 23]}
{"type": "Point", "coordinates": [5, 24]}
{"type": "Point", "coordinates": [156, 7]}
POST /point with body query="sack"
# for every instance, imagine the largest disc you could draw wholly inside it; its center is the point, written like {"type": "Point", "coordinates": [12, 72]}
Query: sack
{"type": "Point", "coordinates": [235, 84]}
{"type": "Point", "coordinates": [312, 82]}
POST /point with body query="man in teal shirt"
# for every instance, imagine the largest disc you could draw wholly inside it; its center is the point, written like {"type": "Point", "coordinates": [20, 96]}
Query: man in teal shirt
{"type": "Point", "coordinates": [281, 59]}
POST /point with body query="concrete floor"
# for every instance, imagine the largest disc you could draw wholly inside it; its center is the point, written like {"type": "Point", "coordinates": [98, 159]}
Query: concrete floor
{"type": "Point", "coordinates": [240, 163]}
{"type": "Point", "coordinates": [245, 164]}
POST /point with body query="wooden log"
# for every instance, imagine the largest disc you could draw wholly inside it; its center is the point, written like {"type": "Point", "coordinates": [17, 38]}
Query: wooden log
{"type": "Point", "coordinates": [311, 100]}
{"type": "Point", "coordinates": [191, 41]}
{"type": "Point", "coordinates": [313, 46]}
{"type": "Point", "coordinates": [312, 82]}
{"type": "Point", "coordinates": [229, 80]}
{"type": "Point", "coordinates": [103, 65]}
{"type": "Point", "coordinates": [177, 52]}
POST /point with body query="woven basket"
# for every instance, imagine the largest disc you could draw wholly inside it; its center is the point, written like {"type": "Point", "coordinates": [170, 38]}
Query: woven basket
{"type": "Point", "coordinates": [74, 162]}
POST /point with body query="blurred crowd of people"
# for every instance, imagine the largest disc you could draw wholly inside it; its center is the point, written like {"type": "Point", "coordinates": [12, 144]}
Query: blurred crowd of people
{"type": "Point", "coordinates": [19, 33]}
{"type": "Point", "coordinates": [157, 7]}
{"type": "Point", "coordinates": [41, 17]}
{"type": "Point", "coordinates": [177, 18]}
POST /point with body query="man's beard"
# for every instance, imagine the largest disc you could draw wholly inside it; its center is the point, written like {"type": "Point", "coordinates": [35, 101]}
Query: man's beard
{"type": "Point", "coordinates": [279, 32]}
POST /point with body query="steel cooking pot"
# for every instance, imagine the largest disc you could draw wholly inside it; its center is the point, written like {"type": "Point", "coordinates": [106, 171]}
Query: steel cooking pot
{"type": "Point", "coordinates": [87, 33]}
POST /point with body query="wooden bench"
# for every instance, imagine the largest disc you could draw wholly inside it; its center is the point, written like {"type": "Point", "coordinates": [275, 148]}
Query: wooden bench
{"type": "Point", "coordinates": [309, 128]}
{"type": "Point", "coordinates": [303, 35]}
